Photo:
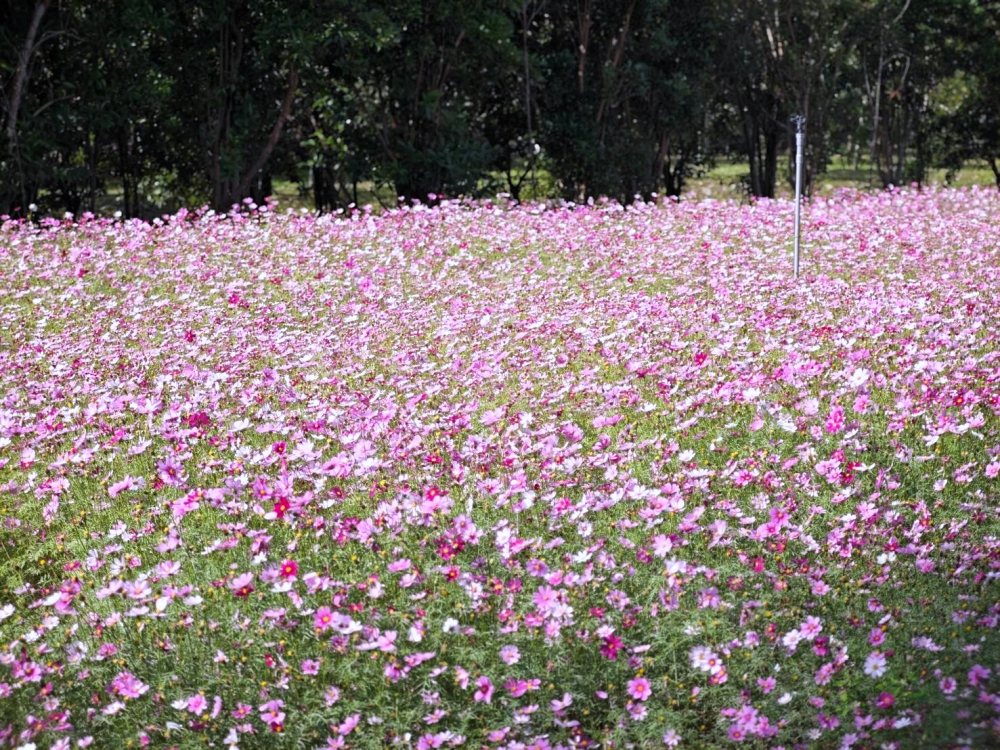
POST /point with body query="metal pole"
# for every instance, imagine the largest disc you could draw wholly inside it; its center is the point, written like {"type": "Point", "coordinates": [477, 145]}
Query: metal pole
{"type": "Point", "coordinates": [800, 140]}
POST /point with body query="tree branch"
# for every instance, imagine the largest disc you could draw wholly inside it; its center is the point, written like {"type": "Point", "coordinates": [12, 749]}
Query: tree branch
{"type": "Point", "coordinates": [265, 154]}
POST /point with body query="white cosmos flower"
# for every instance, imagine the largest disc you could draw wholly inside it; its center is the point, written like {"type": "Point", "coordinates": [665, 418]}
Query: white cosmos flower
{"type": "Point", "coordinates": [858, 378]}
{"type": "Point", "coordinates": [875, 664]}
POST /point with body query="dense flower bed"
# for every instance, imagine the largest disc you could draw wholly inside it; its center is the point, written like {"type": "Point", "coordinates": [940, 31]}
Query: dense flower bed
{"type": "Point", "coordinates": [506, 477]}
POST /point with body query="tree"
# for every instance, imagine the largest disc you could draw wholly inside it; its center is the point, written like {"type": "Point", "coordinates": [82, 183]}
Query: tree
{"type": "Point", "coordinates": [625, 96]}
{"type": "Point", "coordinates": [254, 51]}
{"type": "Point", "coordinates": [784, 58]}
{"type": "Point", "coordinates": [969, 103]}
{"type": "Point", "coordinates": [23, 36]}
{"type": "Point", "coordinates": [169, 103]}
{"type": "Point", "coordinates": [906, 49]}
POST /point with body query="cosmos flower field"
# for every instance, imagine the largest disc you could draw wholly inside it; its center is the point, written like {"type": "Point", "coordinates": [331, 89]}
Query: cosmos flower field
{"type": "Point", "coordinates": [504, 477]}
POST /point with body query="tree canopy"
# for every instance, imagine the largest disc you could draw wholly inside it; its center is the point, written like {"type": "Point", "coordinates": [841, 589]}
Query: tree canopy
{"type": "Point", "coordinates": [210, 101]}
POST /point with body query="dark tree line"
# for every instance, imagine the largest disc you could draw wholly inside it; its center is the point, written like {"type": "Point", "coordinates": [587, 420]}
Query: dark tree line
{"type": "Point", "coordinates": [171, 102]}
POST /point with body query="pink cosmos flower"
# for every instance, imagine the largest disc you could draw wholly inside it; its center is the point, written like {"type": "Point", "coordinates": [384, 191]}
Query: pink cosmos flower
{"type": "Point", "coordinates": [560, 705]}
{"type": "Point", "coordinates": [612, 644]}
{"type": "Point", "coordinates": [545, 598]}
{"type": "Point", "coordinates": [387, 641]}
{"type": "Point", "coordinates": [885, 700]}
{"type": "Point", "coordinates": [322, 619]}
{"type": "Point", "coordinates": [484, 690]}
{"type": "Point", "coordinates": [241, 585]}
{"type": "Point", "coordinates": [348, 725]}
{"type": "Point", "coordinates": [271, 713]}
{"type": "Point", "coordinates": [289, 570]}
{"type": "Point", "coordinates": [828, 722]}
{"type": "Point", "coordinates": [810, 628]}
{"type": "Point", "coordinates": [510, 654]}
{"type": "Point", "coordinates": [310, 667]}
{"type": "Point", "coordinates": [639, 689]}
{"type": "Point", "coordinates": [978, 674]}
{"type": "Point", "coordinates": [824, 674]}
{"type": "Point", "coordinates": [636, 711]}
{"type": "Point", "coordinates": [127, 685]}
{"type": "Point", "coordinates": [746, 716]}
{"type": "Point", "coordinates": [835, 420]}
{"type": "Point", "coordinates": [516, 688]}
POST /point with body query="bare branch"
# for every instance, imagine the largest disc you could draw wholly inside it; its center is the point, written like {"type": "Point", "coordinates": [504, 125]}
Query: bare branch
{"type": "Point", "coordinates": [899, 16]}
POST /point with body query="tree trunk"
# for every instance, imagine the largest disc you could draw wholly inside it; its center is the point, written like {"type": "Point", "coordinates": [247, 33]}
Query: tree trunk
{"type": "Point", "coordinates": [21, 73]}
{"type": "Point", "coordinates": [18, 88]}
{"type": "Point", "coordinates": [583, 31]}
{"type": "Point", "coordinates": [272, 141]}
{"type": "Point", "coordinates": [230, 58]}
{"type": "Point", "coordinates": [752, 142]}
{"type": "Point", "coordinates": [770, 176]}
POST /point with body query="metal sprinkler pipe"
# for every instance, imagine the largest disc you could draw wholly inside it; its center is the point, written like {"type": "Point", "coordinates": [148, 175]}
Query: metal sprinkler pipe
{"type": "Point", "coordinates": [800, 140]}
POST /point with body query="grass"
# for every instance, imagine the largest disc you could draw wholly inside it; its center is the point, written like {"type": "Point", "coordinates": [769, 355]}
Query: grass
{"type": "Point", "coordinates": [722, 181]}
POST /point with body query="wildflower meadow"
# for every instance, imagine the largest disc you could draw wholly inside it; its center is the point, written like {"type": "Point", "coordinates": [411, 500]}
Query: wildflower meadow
{"type": "Point", "coordinates": [492, 476]}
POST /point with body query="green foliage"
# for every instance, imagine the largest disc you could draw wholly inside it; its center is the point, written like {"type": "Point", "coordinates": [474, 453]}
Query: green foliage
{"type": "Point", "coordinates": [170, 104]}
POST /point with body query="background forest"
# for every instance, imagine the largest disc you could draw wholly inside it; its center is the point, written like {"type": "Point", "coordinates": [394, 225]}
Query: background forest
{"type": "Point", "coordinates": [148, 106]}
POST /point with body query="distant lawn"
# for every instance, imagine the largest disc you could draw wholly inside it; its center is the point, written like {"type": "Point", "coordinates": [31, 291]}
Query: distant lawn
{"type": "Point", "coordinates": [722, 181]}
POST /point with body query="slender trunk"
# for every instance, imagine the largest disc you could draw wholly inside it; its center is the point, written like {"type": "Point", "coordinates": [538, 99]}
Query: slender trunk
{"type": "Point", "coordinates": [752, 143]}
{"type": "Point", "coordinates": [21, 73]}
{"type": "Point", "coordinates": [92, 149]}
{"type": "Point", "coordinates": [661, 159]}
{"type": "Point", "coordinates": [901, 148]}
{"type": "Point", "coordinates": [878, 104]}
{"type": "Point", "coordinates": [527, 67]}
{"type": "Point", "coordinates": [230, 58]}
{"type": "Point", "coordinates": [124, 171]}
{"type": "Point", "coordinates": [18, 88]}
{"type": "Point", "coordinates": [615, 53]}
{"type": "Point", "coordinates": [904, 140]}
{"type": "Point", "coordinates": [272, 141]}
{"type": "Point", "coordinates": [215, 156]}
{"type": "Point", "coordinates": [526, 22]}
{"type": "Point", "coordinates": [317, 188]}
{"type": "Point", "coordinates": [770, 162]}
{"type": "Point", "coordinates": [996, 170]}
{"type": "Point", "coordinates": [583, 21]}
